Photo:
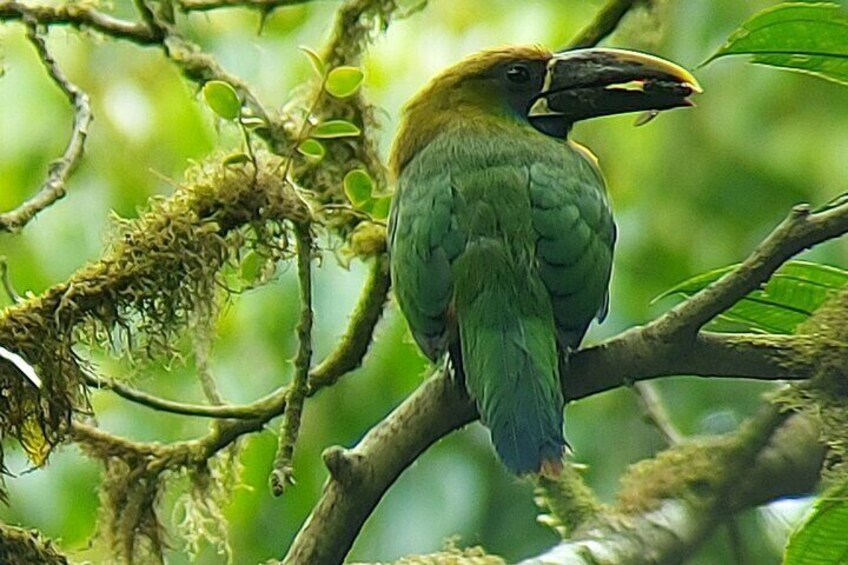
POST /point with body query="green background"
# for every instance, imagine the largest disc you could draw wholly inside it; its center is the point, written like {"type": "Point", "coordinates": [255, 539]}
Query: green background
{"type": "Point", "coordinates": [693, 190]}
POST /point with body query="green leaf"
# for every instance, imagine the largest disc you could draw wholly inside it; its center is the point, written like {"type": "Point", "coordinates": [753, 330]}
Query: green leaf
{"type": "Point", "coordinates": [236, 159]}
{"type": "Point", "coordinates": [312, 148]}
{"type": "Point", "coordinates": [358, 187]}
{"type": "Point", "coordinates": [821, 539]}
{"type": "Point", "coordinates": [222, 98]}
{"type": "Point", "coordinates": [380, 208]}
{"type": "Point", "coordinates": [344, 81]}
{"type": "Point", "coordinates": [805, 37]}
{"type": "Point", "coordinates": [252, 266]}
{"type": "Point", "coordinates": [794, 292]}
{"type": "Point", "coordinates": [336, 128]}
{"type": "Point", "coordinates": [318, 64]}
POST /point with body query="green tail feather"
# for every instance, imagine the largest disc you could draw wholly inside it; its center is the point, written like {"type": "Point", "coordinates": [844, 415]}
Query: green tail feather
{"type": "Point", "coordinates": [509, 359]}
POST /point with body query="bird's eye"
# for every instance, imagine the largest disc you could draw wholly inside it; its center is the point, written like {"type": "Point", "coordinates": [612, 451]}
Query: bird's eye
{"type": "Point", "coordinates": [518, 74]}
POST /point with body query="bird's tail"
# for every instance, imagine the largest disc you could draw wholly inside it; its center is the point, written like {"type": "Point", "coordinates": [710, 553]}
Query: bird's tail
{"type": "Point", "coordinates": [509, 358]}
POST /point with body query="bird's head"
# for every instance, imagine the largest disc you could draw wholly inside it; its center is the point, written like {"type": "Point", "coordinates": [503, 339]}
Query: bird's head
{"type": "Point", "coordinates": [548, 91]}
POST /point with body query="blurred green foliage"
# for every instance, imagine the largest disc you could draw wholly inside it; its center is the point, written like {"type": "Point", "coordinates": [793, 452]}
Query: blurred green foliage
{"type": "Point", "coordinates": [692, 191]}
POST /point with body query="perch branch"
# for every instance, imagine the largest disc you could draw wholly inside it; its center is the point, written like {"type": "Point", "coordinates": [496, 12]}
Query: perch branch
{"type": "Point", "coordinates": [638, 354]}
{"type": "Point", "coordinates": [60, 170]}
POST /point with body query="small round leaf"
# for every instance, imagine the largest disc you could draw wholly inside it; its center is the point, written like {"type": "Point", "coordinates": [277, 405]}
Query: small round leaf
{"type": "Point", "coordinates": [358, 186]}
{"type": "Point", "coordinates": [336, 128]}
{"type": "Point", "coordinates": [222, 98]}
{"type": "Point", "coordinates": [312, 148]}
{"type": "Point", "coordinates": [344, 81]}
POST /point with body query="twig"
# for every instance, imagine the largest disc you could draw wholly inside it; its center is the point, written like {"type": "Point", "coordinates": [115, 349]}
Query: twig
{"type": "Point", "coordinates": [263, 5]}
{"type": "Point", "coordinates": [604, 23]}
{"type": "Point", "coordinates": [283, 473]}
{"type": "Point", "coordinates": [241, 412]}
{"type": "Point", "coordinates": [652, 403]}
{"type": "Point", "coordinates": [799, 231]}
{"type": "Point", "coordinates": [78, 15]}
{"type": "Point", "coordinates": [60, 170]}
{"type": "Point", "coordinates": [7, 283]}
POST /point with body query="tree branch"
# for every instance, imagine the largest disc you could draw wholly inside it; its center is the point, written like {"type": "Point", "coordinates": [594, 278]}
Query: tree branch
{"type": "Point", "coordinates": [283, 472]}
{"type": "Point", "coordinates": [60, 170]}
{"type": "Point", "coordinates": [604, 23]}
{"type": "Point", "coordinates": [799, 231]}
{"type": "Point", "coordinates": [769, 458]}
{"type": "Point", "coordinates": [81, 16]}
{"type": "Point", "coordinates": [637, 354]}
{"type": "Point", "coordinates": [262, 5]}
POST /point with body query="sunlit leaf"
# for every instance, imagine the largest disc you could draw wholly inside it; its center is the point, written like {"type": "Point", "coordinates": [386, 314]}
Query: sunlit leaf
{"type": "Point", "coordinates": [251, 266]}
{"type": "Point", "coordinates": [312, 148]}
{"type": "Point", "coordinates": [222, 99]}
{"type": "Point", "coordinates": [344, 81]}
{"type": "Point", "coordinates": [315, 60]}
{"type": "Point", "coordinates": [821, 539]}
{"type": "Point", "coordinates": [806, 37]}
{"type": "Point", "coordinates": [358, 187]}
{"type": "Point", "coordinates": [336, 128]}
{"type": "Point", "coordinates": [794, 292]}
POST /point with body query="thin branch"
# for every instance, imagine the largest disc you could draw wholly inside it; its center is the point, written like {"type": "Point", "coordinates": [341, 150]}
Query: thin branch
{"type": "Point", "coordinates": [262, 5]}
{"type": "Point", "coordinates": [604, 23]}
{"type": "Point", "coordinates": [656, 413]}
{"type": "Point", "coordinates": [60, 170]}
{"type": "Point", "coordinates": [283, 473]}
{"type": "Point", "coordinates": [7, 283]}
{"type": "Point", "coordinates": [78, 15]}
{"type": "Point", "coordinates": [241, 412]}
{"type": "Point", "coordinates": [799, 231]}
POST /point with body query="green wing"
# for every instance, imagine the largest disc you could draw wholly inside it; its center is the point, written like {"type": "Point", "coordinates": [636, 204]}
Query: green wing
{"type": "Point", "coordinates": [571, 216]}
{"type": "Point", "coordinates": [423, 242]}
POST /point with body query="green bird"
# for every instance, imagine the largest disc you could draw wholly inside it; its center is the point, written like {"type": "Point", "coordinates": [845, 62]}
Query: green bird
{"type": "Point", "coordinates": [500, 233]}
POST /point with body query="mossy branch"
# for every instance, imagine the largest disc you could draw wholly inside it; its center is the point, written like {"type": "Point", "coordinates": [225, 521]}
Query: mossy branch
{"type": "Point", "coordinates": [641, 353]}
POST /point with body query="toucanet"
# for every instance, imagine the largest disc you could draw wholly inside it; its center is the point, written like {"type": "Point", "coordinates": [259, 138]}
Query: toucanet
{"type": "Point", "coordinates": [500, 234]}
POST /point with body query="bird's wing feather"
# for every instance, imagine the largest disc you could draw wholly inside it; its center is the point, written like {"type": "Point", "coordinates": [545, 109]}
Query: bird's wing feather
{"type": "Point", "coordinates": [575, 232]}
{"type": "Point", "coordinates": [423, 241]}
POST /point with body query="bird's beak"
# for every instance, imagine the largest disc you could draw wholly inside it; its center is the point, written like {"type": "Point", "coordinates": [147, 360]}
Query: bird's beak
{"type": "Point", "coordinates": [587, 83]}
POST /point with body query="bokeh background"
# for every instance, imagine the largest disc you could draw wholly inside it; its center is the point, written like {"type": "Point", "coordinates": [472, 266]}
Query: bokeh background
{"type": "Point", "coordinates": [693, 190]}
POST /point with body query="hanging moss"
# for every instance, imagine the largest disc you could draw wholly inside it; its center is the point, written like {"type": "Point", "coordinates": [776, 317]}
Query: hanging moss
{"type": "Point", "coordinates": [157, 271]}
